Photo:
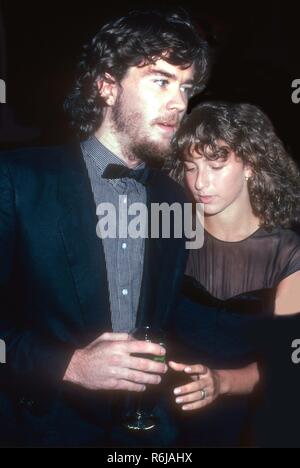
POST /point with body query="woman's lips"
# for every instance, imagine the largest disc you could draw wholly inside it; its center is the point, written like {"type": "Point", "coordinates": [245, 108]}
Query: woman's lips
{"type": "Point", "coordinates": [206, 199]}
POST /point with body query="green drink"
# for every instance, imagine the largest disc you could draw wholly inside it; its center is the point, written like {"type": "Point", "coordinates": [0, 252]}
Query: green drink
{"type": "Point", "coordinates": [139, 414]}
{"type": "Point", "coordinates": [152, 357]}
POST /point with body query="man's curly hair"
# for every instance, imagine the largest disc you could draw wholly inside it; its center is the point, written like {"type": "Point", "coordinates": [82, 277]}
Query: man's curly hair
{"type": "Point", "coordinates": [138, 39]}
{"type": "Point", "coordinates": [274, 187]}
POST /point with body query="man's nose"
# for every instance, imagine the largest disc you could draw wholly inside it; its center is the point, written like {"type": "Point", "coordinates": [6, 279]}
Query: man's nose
{"type": "Point", "coordinates": [178, 101]}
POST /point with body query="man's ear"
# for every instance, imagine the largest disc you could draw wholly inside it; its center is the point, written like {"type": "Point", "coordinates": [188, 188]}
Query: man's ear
{"type": "Point", "coordinates": [108, 89]}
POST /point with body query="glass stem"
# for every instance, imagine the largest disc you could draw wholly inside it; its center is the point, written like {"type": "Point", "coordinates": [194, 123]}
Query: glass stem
{"type": "Point", "coordinates": [139, 405]}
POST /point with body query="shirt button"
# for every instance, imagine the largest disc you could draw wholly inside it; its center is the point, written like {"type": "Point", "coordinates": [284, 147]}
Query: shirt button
{"type": "Point", "coordinates": [124, 246]}
{"type": "Point", "coordinates": [125, 292]}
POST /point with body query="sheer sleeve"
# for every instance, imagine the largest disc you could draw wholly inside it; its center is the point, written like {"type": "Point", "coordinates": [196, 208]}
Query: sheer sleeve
{"type": "Point", "coordinates": [263, 260]}
{"type": "Point", "coordinates": [289, 256]}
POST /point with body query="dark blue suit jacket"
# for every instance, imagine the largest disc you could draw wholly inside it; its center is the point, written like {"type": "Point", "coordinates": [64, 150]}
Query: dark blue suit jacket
{"type": "Point", "coordinates": [54, 293]}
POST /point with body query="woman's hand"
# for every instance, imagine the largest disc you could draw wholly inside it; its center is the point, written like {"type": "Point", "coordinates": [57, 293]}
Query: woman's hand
{"type": "Point", "coordinates": [202, 391]}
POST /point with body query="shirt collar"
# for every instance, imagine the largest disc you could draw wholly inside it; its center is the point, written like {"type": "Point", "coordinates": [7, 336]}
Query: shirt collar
{"type": "Point", "coordinates": [102, 156]}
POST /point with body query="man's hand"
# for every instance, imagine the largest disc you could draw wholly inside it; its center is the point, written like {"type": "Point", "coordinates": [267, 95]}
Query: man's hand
{"type": "Point", "coordinates": [107, 364]}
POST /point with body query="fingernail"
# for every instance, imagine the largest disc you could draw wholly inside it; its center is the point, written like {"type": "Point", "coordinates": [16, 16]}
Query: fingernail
{"type": "Point", "coordinates": [177, 391]}
{"type": "Point", "coordinates": [188, 369]}
{"type": "Point", "coordinates": [185, 408]}
{"type": "Point", "coordinates": [178, 400]}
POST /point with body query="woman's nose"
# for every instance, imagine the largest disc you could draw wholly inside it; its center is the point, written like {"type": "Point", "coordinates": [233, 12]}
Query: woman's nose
{"type": "Point", "coordinates": [202, 180]}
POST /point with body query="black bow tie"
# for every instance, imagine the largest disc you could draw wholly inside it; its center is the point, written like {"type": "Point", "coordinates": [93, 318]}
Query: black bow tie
{"type": "Point", "coordinates": [116, 171]}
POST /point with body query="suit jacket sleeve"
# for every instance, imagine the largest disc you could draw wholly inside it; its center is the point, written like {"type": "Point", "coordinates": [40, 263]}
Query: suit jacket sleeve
{"type": "Point", "coordinates": [29, 355]}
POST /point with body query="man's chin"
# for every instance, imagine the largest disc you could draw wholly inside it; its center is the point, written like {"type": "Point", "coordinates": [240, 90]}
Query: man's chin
{"type": "Point", "coordinates": [152, 153]}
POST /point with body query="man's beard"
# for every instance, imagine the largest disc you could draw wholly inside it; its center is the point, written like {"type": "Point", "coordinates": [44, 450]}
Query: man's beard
{"type": "Point", "coordinates": [136, 145]}
{"type": "Point", "coordinates": [150, 153]}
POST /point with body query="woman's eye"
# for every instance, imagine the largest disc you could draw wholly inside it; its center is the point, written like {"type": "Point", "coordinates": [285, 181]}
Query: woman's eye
{"type": "Point", "coordinates": [189, 169]}
{"type": "Point", "coordinates": [216, 168]}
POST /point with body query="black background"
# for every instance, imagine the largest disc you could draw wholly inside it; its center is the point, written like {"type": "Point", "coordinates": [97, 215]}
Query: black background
{"type": "Point", "coordinates": [256, 47]}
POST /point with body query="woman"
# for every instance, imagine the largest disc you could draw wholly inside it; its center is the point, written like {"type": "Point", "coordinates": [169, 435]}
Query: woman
{"type": "Point", "coordinates": [247, 270]}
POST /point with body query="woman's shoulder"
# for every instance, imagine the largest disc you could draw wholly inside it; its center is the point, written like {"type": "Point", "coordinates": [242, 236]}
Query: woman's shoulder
{"type": "Point", "coordinates": [287, 238]}
{"type": "Point", "coordinates": [288, 251]}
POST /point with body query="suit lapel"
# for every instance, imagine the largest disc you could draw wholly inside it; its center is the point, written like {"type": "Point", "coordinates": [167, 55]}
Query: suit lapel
{"type": "Point", "coordinates": [83, 248]}
{"type": "Point", "coordinates": [148, 299]}
{"type": "Point", "coordinates": [159, 266]}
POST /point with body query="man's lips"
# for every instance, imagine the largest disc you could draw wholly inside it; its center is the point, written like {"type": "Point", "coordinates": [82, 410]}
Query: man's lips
{"type": "Point", "coordinates": [168, 125]}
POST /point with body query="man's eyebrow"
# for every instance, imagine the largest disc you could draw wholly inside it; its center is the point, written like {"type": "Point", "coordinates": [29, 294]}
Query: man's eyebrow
{"type": "Point", "coordinates": [171, 76]}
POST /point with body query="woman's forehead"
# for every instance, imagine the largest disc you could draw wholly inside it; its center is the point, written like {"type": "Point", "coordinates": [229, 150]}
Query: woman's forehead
{"type": "Point", "coordinates": [197, 150]}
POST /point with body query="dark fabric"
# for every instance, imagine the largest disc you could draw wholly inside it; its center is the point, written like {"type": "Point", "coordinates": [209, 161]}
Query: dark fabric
{"type": "Point", "coordinates": [221, 334]}
{"type": "Point", "coordinates": [115, 171]}
{"type": "Point", "coordinates": [54, 294]}
{"type": "Point", "coordinates": [227, 269]}
{"type": "Point", "coordinates": [276, 422]}
{"type": "Point", "coordinates": [225, 320]}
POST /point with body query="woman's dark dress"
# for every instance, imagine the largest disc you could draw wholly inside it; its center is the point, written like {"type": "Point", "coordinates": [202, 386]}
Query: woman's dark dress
{"type": "Point", "coordinates": [222, 321]}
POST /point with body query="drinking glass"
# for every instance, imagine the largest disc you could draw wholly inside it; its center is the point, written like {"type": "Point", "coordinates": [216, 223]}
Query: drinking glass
{"type": "Point", "coordinates": [139, 414]}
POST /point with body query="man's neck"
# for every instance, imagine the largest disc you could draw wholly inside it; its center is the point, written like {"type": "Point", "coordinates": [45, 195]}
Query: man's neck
{"type": "Point", "coordinates": [111, 142]}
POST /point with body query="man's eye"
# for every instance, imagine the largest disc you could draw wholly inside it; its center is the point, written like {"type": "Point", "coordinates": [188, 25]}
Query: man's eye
{"type": "Point", "coordinates": [187, 90]}
{"type": "Point", "coordinates": [161, 82]}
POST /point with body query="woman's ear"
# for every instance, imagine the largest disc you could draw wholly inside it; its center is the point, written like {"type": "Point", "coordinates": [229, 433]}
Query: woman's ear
{"type": "Point", "coordinates": [108, 89]}
{"type": "Point", "coordinates": [248, 172]}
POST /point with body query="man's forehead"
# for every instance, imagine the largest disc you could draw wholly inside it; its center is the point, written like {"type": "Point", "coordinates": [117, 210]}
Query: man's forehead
{"type": "Point", "coordinates": [162, 64]}
{"type": "Point", "coordinates": [176, 72]}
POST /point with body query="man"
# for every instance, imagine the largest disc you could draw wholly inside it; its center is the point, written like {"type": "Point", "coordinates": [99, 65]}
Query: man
{"type": "Point", "coordinates": [68, 298]}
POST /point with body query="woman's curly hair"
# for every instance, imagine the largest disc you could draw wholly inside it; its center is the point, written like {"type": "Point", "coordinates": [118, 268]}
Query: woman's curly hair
{"type": "Point", "coordinates": [274, 187]}
{"type": "Point", "coordinates": [139, 38]}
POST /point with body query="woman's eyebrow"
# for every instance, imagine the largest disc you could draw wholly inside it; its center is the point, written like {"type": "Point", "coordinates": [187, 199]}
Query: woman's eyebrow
{"type": "Point", "coordinates": [191, 159]}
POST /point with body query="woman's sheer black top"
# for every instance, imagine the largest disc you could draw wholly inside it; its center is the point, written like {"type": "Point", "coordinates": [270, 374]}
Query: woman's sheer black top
{"type": "Point", "coordinates": [228, 293]}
